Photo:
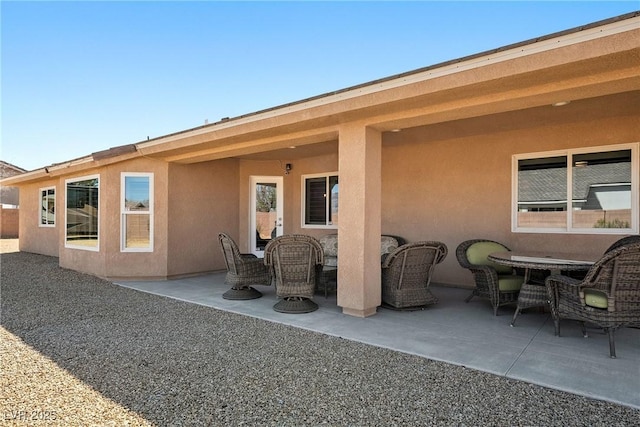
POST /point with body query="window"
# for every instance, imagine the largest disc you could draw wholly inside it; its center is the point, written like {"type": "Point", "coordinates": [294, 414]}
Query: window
{"type": "Point", "coordinates": [320, 200]}
{"type": "Point", "coordinates": [82, 213]}
{"type": "Point", "coordinates": [48, 207]}
{"type": "Point", "coordinates": [577, 191]}
{"type": "Point", "coordinates": [136, 212]}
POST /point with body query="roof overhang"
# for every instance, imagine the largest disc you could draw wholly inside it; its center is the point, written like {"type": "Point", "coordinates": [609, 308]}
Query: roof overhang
{"type": "Point", "coordinates": [596, 60]}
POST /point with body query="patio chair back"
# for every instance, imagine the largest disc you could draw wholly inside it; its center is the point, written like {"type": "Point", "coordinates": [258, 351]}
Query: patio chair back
{"type": "Point", "coordinates": [295, 260]}
{"type": "Point", "coordinates": [497, 283]}
{"type": "Point", "coordinates": [617, 275]}
{"type": "Point", "coordinates": [243, 270]}
{"type": "Point", "coordinates": [608, 296]}
{"type": "Point", "coordinates": [624, 241]}
{"type": "Point", "coordinates": [407, 272]}
{"type": "Point", "coordinates": [230, 251]}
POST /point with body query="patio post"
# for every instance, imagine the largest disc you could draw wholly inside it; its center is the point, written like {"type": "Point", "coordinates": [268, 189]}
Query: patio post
{"type": "Point", "coordinates": [359, 227]}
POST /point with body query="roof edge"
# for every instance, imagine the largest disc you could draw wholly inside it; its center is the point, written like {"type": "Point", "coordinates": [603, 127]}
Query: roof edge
{"type": "Point", "coordinates": [231, 121]}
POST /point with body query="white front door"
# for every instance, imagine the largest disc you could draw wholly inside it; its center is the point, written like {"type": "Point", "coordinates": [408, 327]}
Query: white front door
{"type": "Point", "coordinates": [265, 211]}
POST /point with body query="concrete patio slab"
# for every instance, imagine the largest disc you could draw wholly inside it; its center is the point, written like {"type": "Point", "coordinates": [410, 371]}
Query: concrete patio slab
{"type": "Point", "coordinates": [456, 332]}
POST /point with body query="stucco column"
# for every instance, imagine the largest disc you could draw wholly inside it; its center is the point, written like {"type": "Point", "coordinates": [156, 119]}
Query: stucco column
{"type": "Point", "coordinates": [360, 218]}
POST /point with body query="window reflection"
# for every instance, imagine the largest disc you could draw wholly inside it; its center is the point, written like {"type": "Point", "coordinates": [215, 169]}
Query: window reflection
{"type": "Point", "coordinates": [82, 212]}
{"type": "Point", "coordinates": [602, 190]}
{"type": "Point", "coordinates": [542, 192]}
{"type": "Point", "coordinates": [137, 224]}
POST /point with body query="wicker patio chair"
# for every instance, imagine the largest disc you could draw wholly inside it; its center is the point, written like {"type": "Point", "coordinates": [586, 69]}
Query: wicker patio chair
{"type": "Point", "coordinates": [608, 296]}
{"type": "Point", "coordinates": [406, 275]}
{"type": "Point", "coordinates": [296, 261]}
{"type": "Point", "coordinates": [623, 242]}
{"type": "Point", "coordinates": [243, 270]}
{"type": "Point", "coordinates": [499, 283]}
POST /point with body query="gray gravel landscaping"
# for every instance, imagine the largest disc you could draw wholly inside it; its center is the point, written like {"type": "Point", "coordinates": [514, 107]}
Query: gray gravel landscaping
{"type": "Point", "coordinates": [78, 350]}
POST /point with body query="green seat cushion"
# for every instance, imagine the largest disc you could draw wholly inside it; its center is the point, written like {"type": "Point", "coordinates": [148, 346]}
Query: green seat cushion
{"type": "Point", "coordinates": [478, 252]}
{"type": "Point", "coordinates": [510, 282]}
{"type": "Point", "coordinates": [595, 298]}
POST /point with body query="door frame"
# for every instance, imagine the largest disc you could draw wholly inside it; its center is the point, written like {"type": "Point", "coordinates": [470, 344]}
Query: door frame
{"type": "Point", "coordinates": [253, 181]}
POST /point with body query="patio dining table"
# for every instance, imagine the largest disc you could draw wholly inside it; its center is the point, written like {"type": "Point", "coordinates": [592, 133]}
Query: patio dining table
{"type": "Point", "coordinates": [532, 293]}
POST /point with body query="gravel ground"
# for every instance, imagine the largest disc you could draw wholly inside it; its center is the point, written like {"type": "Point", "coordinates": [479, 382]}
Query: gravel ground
{"type": "Point", "coordinates": [77, 350]}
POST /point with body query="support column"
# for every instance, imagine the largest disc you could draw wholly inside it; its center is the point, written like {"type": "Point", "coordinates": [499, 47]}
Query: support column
{"type": "Point", "coordinates": [359, 226]}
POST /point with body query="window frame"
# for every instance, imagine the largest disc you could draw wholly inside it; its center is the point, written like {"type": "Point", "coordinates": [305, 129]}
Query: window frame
{"type": "Point", "coordinates": [568, 154]}
{"type": "Point", "coordinates": [55, 208]}
{"type": "Point", "coordinates": [303, 200]}
{"type": "Point", "coordinates": [124, 212]}
{"type": "Point", "coordinates": [66, 214]}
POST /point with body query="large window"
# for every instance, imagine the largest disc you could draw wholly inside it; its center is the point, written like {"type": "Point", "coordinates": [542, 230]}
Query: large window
{"type": "Point", "coordinates": [320, 200]}
{"type": "Point", "coordinates": [136, 206]}
{"type": "Point", "coordinates": [82, 213]}
{"type": "Point", "coordinates": [48, 207]}
{"type": "Point", "coordinates": [577, 191]}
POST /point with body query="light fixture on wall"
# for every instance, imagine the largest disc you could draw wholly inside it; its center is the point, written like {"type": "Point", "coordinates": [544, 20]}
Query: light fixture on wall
{"type": "Point", "coordinates": [287, 168]}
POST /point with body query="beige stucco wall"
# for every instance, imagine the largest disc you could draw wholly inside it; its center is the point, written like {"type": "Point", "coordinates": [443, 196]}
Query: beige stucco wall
{"type": "Point", "coordinates": [203, 201]}
{"type": "Point", "coordinates": [452, 182]}
{"type": "Point", "coordinates": [119, 264]}
{"type": "Point", "coordinates": [109, 261]}
{"type": "Point", "coordinates": [451, 189]}
{"type": "Point", "coordinates": [33, 238]}
{"type": "Point", "coordinates": [449, 182]}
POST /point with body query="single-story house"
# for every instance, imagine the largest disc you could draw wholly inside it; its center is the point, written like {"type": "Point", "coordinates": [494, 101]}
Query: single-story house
{"type": "Point", "coordinates": [535, 145]}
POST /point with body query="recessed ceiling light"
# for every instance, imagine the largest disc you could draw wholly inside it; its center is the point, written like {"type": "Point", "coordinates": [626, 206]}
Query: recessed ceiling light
{"type": "Point", "coordinates": [292, 146]}
{"type": "Point", "coordinates": [396, 130]}
{"type": "Point", "coordinates": [560, 103]}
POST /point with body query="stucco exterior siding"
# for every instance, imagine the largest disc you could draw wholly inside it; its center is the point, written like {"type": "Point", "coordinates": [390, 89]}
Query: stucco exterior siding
{"type": "Point", "coordinates": [456, 188]}
{"type": "Point", "coordinates": [120, 264]}
{"type": "Point", "coordinates": [33, 238]}
{"type": "Point", "coordinates": [203, 201]}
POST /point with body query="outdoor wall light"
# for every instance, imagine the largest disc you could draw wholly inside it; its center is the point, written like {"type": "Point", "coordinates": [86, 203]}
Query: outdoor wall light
{"type": "Point", "coordinates": [287, 168]}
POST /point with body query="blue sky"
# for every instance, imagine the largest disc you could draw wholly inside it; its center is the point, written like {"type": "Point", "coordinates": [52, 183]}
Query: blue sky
{"type": "Point", "coordinates": [80, 77]}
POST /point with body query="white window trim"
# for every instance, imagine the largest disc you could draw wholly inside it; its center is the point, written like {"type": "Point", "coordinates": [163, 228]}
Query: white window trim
{"type": "Point", "coordinates": [66, 242]}
{"type": "Point", "coordinates": [303, 201]}
{"type": "Point", "coordinates": [123, 212]}
{"type": "Point", "coordinates": [635, 185]}
{"type": "Point", "coordinates": [55, 195]}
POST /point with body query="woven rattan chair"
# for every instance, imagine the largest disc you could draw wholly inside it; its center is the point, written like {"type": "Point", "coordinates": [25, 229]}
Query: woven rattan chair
{"type": "Point", "coordinates": [296, 261]}
{"type": "Point", "coordinates": [500, 284]}
{"type": "Point", "coordinates": [243, 270]}
{"type": "Point", "coordinates": [624, 241]}
{"type": "Point", "coordinates": [608, 296]}
{"type": "Point", "coordinates": [406, 275]}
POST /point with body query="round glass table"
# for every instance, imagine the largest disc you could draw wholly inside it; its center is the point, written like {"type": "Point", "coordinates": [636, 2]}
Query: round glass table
{"type": "Point", "coordinates": [534, 294]}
